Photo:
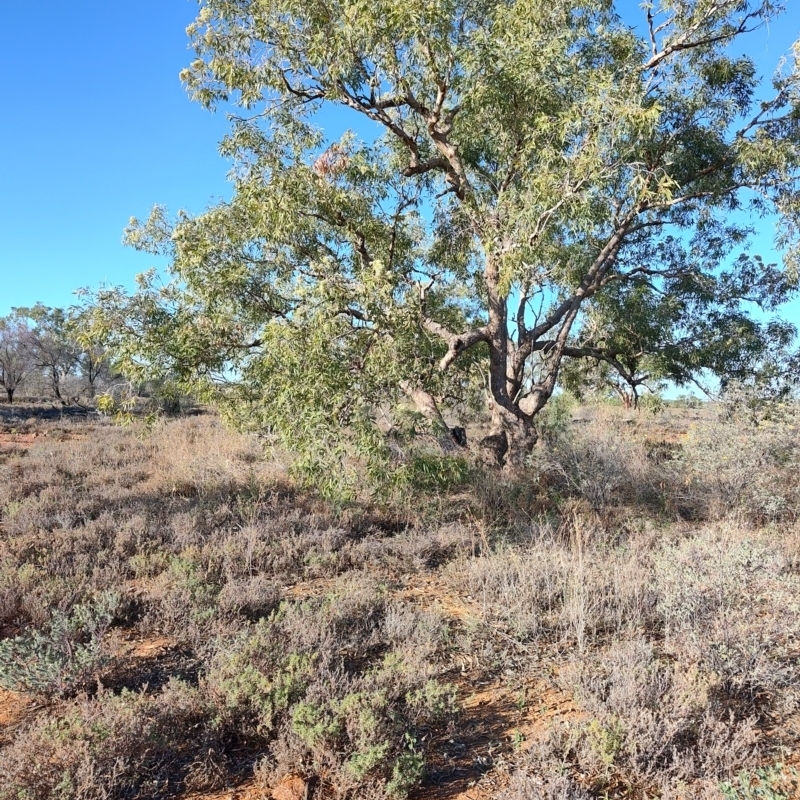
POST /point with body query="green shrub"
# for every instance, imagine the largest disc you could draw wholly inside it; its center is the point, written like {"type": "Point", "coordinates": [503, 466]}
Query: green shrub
{"type": "Point", "coordinates": [64, 655]}
{"type": "Point", "coordinates": [330, 684]}
{"type": "Point", "coordinates": [766, 783]}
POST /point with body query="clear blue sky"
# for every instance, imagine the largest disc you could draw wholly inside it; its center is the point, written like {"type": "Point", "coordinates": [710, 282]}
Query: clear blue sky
{"type": "Point", "coordinates": [95, 128]}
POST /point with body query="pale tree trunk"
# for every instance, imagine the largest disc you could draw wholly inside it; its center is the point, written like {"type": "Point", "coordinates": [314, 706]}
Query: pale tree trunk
{"type": "Point", "coordinates": [426, 404]}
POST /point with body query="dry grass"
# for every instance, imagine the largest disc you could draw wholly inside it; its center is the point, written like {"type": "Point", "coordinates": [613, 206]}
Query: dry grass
{"type": "Point", "coordinates": [179, 618]}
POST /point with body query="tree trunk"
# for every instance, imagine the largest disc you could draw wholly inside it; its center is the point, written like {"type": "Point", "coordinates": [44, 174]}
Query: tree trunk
{"type": "Point", "coordinates": [56, 380]}
{"type": "Point", "coordinates": [511, 438]}
{"type": "Point", "coordinates": [512, 435]}
{"type": "Point", "coordinates": [10, 393]}
{"type": "Point", "coordinates": [627, 400]}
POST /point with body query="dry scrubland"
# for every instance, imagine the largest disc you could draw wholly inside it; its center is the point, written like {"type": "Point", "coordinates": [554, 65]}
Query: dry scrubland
{"type": "Point", "coordinates": [176, 620]}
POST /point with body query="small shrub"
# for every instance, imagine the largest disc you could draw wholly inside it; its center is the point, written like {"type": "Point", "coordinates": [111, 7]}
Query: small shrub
{"type": "Point", "coordinates": [577, 590]}
{"type": "Point", "coordinates": [765, 783]}
{"type": "Point", "coordinates": [743, 464]}
{"type": "Point", "coordinates": [729, 603]}
{"type": "Point", "coordinates": [253, 598]}
{"type": "Point", "coordinates": [126, 745]}
{"type": "Point", "coordinates": [655, 721]}
{"type": "Point", "coordinates": [183, 601]}
{"type": "Point", "coordinates": [603, 467]}
{"type": "Point", "coordinates": [652, 403]}
{"type": "Point", "coordinates": [62, 657]}
{"type": "Point", "coordinates": [553, 421]}
{"type": "Point", "coordinates": [328, 684]}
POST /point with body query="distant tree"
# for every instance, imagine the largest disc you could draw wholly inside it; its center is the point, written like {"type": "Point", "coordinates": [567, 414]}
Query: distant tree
{"type": "Point", "coordinates": [542, 168]}
{"type": "Point", "coordinates": [51, 345]}
{"type": "Point", "coordinates": [92, 364]}
{"type": "Point", "coordinates": [16, 362]}
{"type": "Point", "coordinates": [692, 330]}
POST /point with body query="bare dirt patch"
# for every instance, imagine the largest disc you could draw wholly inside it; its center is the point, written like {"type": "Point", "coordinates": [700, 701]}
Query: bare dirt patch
{"type": "Point", "coordinates": [13, 708]}
{"type": "Point", "coordinates": [245, 792]}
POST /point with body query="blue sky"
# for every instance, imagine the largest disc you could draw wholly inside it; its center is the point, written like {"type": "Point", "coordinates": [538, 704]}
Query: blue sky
{"type": "Point", "coordinates": [95, 128]}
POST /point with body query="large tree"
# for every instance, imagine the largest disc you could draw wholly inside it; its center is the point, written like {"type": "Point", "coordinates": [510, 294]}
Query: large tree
{"type": "Point", "coordinates": [520, 168]}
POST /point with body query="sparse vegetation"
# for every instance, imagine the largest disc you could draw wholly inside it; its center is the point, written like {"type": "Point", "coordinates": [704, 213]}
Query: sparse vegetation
{"type": "Point", "coordinates": [620, 618]}
{"type": "Point", "coordinates": [375, 492]}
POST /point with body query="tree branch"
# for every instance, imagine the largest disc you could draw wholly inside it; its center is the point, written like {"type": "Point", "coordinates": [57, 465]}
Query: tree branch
{"type": "Point", "coordinates": [456, 343]}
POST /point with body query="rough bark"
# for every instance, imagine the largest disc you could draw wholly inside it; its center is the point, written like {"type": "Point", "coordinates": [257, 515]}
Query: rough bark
{"type": "Point", "coordinates": [511, 438]}
{"type": "Point", "coordinates": [512, 435]}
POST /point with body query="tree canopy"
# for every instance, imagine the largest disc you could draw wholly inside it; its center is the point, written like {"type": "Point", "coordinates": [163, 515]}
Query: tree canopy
{"type": "Point", "coordinates": [43, 344]}
{"type": "Point", "coordinates": [527, 183]}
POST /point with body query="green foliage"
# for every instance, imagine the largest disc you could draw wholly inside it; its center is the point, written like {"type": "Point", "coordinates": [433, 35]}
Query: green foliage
{"type": "Point", "coordinates": [606, 739]}
{"type": "Point", "coordinates": [693, 325]}
{"type": "Point", "coordinates": [64, 655]}
{"type": "Point", "coordinates": [543, 186]}
{"type": "Point", "coordinates": [407, 770]}
{"type": "Point", "coordinates": [686, 401]}
{"type": "Point", "coordinates": [653, 403]}
{"type": "Point", "coordinates": [356, 710]}
{"type": "Point", "coordinates": [246, 688]}
{"type": "Point", "coordinates": [766, 783]}
{"type": "Point", "coordinates": [431, 472]}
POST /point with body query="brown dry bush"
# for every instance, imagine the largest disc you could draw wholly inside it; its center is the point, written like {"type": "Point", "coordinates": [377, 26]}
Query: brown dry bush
{"type": "Point", "coordinates": [678, 695]}
{"type": "Point", "coordinates": [730, 603]}
{"type": "Point", "coordinates": [571, 584]}
{"type": "Point", "coordinates": [546, 785]}
{"type": "Point", "coordinates": [128, 745]}
{"type": "Point", "coordinates": [744, 463]}
{"type": "Point", "coordinates": [187, 504]}
{"type": "Point", "coordinates": [737, 461]}
{"type": "Point", "coordinates": [655, 720]}
{"type": "Point", "coordinates": [605, 468]}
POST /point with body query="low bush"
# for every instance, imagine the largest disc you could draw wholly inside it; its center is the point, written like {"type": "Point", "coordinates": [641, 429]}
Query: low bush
{"type": "Point", "coordinates": [127, 745]}
{"type": "Point", "coordinates": [743, 463]}
{"type": "Point", "coordinates": [571, 585]}
{"type": "Point", "coordinates": [63, 656]}
{"type": "Point", "coordinates": [342, 688]}
{"type": "Point", "coordinates": [656, 720]}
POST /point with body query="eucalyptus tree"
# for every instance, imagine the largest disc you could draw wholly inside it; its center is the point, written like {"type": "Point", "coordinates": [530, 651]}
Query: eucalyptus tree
{"type": "Point", "coordinates": [51, 346]}
{"type": "Point", "coordinates": [687, 330]}
{"type": "Point", "coordinates": [16, 362]}
{"type": "Point", "coordinates": [91, 357]}
{"type": "Point", "coordinates": [513, 166]}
